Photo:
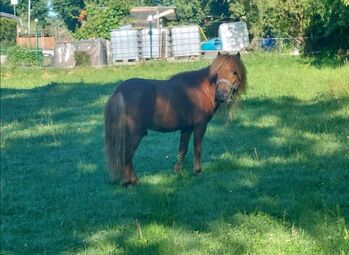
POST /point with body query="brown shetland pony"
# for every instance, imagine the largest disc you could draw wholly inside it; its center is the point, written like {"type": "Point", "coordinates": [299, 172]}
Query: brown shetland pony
{"type": "Point", "coordinates": [185, 102]}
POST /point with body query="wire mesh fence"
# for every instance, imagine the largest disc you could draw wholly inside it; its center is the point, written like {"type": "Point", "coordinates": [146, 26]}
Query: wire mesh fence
{"type": "Point", "coordinates": [294, 46]}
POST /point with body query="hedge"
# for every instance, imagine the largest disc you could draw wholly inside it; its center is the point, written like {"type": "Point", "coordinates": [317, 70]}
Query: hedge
{"type": "Point", "coordinates": [8, 32]}
{"type": "Point", "coordinates": [24, 57]}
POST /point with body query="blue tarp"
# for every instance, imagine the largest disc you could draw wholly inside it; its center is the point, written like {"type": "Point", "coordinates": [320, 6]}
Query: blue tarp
{"type": "Point", "coordinates": [213, 44]}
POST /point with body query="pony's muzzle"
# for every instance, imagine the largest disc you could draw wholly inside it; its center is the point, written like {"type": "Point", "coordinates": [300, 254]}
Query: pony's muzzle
{"type": "Point", "coordinates": [222, 95]}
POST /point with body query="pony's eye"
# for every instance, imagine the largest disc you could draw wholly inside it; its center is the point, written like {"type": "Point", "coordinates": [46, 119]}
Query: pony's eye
{"type": "Point", "coordinates": [235, 73]}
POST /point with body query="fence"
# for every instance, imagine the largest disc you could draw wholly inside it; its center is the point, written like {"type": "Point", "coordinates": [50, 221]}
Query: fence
{"type": "Point", "coordinates": [43, 42]}
{"type": "Point", "coordinates": [293, 45]}
{"type": "Point", "coordinates": [47, 38]}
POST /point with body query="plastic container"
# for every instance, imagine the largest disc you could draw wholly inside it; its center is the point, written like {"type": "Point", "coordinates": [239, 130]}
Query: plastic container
{"type": "Point", "coordinates": [234, 36]}
{"type": "Point", "coordinates": [160, 43]}
{"type": "Point", "coordinates": [268, 43]}
{"type": "Point", "coordinates": [125, 44]}
{"type": "Point", "coordinates": [185, 41]}
{"type": "Point", "coordinates": [213, 44]}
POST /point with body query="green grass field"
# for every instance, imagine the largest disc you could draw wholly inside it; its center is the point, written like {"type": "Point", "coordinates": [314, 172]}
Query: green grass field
{"type": "Point", "coordinates": [275, 179]}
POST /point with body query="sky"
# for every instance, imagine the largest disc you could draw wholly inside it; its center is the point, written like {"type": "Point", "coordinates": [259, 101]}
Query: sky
{"type": "Point", "coordinates": [51, 12]}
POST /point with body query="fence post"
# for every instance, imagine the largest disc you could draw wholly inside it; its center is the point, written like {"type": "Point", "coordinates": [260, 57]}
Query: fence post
{"type": "Point", "coordinates": [150, 20]}
{"type": "Point", "coordinates": [36, 41]}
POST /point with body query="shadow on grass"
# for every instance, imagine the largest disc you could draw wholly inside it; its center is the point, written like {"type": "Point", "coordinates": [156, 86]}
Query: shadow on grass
{"type": "Point", "coordinates": [281, 157]}
{"type": "Point", "coordinates": [325, 59]}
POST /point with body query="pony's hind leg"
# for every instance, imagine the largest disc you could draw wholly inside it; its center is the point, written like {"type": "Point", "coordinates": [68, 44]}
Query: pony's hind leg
{"type": "Point", "coordinates": [129, 175]}
{"type": "Point", "coordinates": [183, 148]}
{"type": "Point", "coordinates": [129, 172]}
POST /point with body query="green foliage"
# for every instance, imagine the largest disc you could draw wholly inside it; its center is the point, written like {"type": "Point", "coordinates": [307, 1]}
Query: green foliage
{"type": "Point", "coordinates": [217, 8]}
{"type": "Point", "coordinates": [102, 16]}
{"type": "Point", "coordinates": [68, 11]}
{"type": "Point", "coordinates": [211, 28]}
{"type": "Point", "coordinates": [5, 6]}
{"type": "Point", "coordinates": [190, 11]}
{"type": "Point", "coordinates": [288, 18]}
{"type": "Point", "coordinates": [39, 11]}
{"type": "Point", "coordinates": [284, 18]}
{"type": "Point", "coordinates": [329, 26]}
{"type": "Point", "coordinates": [8, 32]}
{"type": "Point", "coordinates": [82, 58]}
{"type": "Point", "coordinates": [24, 57]}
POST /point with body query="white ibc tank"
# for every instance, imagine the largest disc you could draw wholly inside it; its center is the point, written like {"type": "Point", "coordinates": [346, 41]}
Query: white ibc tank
{"type": "Point", "coordinates": [160, 43]}
{"type": "Point", "coordinates": [234, 36]}
{"type": "Point", "coordinates": [185, 41]}
{"type": "Point", "coordinates": [124, 44]}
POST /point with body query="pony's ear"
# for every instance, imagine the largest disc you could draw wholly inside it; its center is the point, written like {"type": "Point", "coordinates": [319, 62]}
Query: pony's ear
{"type": "Point", "coordinates": [238, 54]}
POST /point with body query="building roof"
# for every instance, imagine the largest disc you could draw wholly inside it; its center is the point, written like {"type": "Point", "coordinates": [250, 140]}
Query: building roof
{"type": "Point", "coordinates": [11, 16]}
{"type": "Point", "coordinates": [8, 15]}
{"type": "Point", "coordinates": [142, 13]}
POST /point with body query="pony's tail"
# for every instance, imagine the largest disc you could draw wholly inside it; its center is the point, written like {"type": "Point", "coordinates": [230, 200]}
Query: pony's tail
{"type": "Point", "coordinates": [115, 136]}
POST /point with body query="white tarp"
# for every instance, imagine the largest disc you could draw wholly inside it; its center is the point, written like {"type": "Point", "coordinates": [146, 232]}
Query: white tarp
{"type": "Point", "coordinates": [65, 51]}
{"type": "Point", "coordinates": [234, 36]}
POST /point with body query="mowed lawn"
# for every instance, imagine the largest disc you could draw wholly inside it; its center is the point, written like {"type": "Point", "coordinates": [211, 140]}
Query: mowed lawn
{"type": "Point", "coordinates": [275, 179]}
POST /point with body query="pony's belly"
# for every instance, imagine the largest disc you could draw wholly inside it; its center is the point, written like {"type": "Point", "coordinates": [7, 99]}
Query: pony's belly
{"type": "Point", "coordinates": [168, 123]}
{"type": "Point", "coordinates": [164, 129]}
{"type": "Point", "coordinates": [167, 117]}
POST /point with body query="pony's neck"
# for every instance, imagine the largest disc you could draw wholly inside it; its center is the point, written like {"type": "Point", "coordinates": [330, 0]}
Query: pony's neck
{"type": "Point", "coordinates": [195, 78]}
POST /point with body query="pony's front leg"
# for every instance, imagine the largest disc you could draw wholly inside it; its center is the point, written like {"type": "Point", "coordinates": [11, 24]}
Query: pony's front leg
{"type": "Point", "coordinates": [183, 148]}
{"type": "Point", "coordinates": [199, 133]}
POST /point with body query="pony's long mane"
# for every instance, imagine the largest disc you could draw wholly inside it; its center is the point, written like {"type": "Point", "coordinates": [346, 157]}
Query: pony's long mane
{"type": "Point", "coordinates": [242, 73]}
{"type": "Point", "coordinates": [194, 78]}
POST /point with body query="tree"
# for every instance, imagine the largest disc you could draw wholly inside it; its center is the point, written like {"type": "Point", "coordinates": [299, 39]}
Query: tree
{"type": "Point", "coordinates": [329, 26]}
{"type": "Point", "coordinates": [190, 11]}
{"type": "Point", "coordinates": [68, 11]}
{"type": "Point", "coordinates": [5, 6]}
{"type": "Point", "coordinates": [286, 18]}
{"type": "Point", "coordinates": [101, 17]}
{"type": "Point", "coordinates": [40, 11]}
{"type": "Point", "coordinates": [217, 8]}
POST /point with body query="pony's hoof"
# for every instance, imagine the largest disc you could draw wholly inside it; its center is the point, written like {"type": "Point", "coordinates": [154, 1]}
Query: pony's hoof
{"type": "Point", "coordinates": [196, 172]}
{"type": "Point", "coordinates": [178, 169]}
{"type": "Point", "coordinates": [129, 182]}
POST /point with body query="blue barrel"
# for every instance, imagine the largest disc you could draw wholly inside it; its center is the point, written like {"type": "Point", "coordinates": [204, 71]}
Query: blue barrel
{"type": "Point", "coordinates": [213, 44]}
{"type": "Point", "coordinates": [268, 43]}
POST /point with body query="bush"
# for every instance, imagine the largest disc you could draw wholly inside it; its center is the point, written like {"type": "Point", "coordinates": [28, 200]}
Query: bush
{"type": "Point", "coordinates": [82, 58]}
{"type": "Point", "coordinates": [8, 33]}
{"type": "Point", "coordinates": [24, 57]}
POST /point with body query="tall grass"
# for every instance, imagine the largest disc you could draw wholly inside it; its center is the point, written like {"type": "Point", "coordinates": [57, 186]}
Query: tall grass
{"type": "Point", "coordinates": [275, 180]}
